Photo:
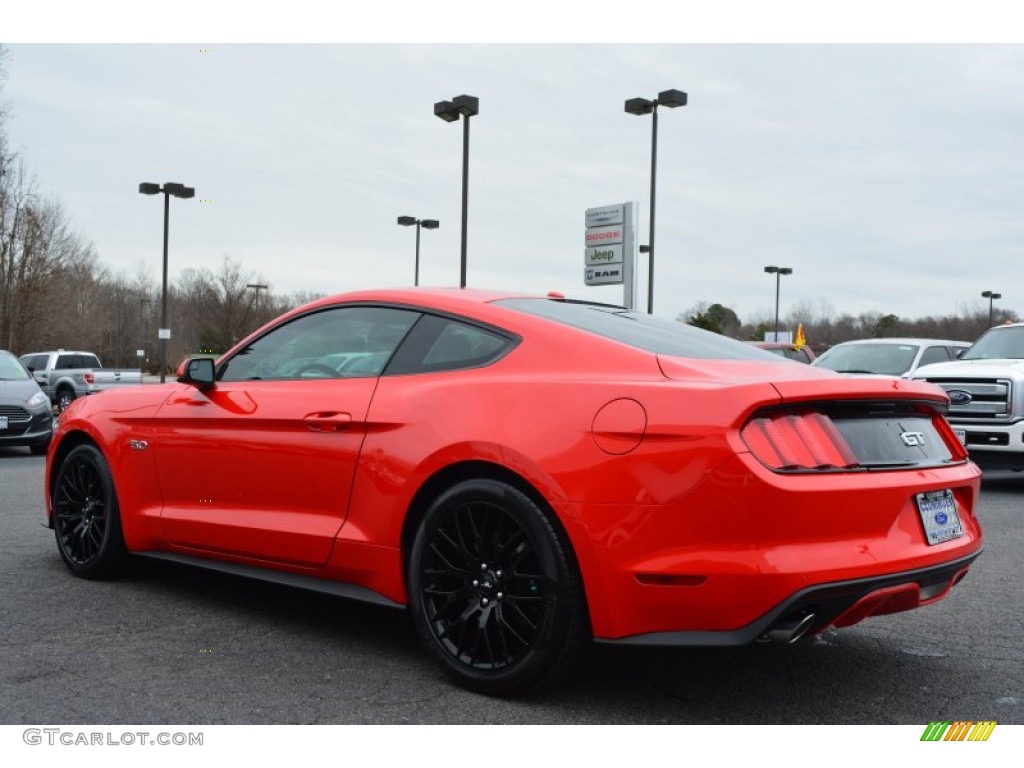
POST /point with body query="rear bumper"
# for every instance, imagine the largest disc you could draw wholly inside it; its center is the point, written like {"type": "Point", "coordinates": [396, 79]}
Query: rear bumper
{"type": "Point", "coordinates": [839, 604]}
{"type": "Point", "coordinates": [720, 562]}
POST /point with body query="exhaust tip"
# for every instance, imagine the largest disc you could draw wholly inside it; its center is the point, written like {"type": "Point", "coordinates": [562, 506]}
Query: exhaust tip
{"type": "Point", "coordinates": [790, 630]}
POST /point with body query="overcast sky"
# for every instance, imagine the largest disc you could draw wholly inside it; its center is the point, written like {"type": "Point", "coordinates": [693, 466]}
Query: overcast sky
{"type": "Point", "coordinates": [890, 178]}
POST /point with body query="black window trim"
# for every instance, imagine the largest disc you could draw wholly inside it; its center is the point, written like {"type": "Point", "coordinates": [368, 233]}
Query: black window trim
{"type": "Point", "coordinates": [514, 338]}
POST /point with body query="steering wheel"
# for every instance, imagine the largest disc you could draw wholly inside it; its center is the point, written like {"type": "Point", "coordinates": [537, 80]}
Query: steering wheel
{"type": "Point", "coordinates": [326, 370]}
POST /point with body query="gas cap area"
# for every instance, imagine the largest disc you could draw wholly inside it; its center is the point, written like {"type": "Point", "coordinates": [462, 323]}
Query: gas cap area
{"type": "Point", "coordinates": [619, 426]}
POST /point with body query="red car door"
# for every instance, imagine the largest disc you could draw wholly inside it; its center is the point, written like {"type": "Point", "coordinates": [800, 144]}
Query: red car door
{"type": "Point", "coordinates": [261, 465]}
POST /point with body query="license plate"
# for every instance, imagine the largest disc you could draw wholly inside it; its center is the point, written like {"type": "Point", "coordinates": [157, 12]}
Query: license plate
{"type": "Point", "coordinates": [939, 515]}
{"type": "Point", "coordinates": [961, 435]}
{"type": "Point", "coordinates": [3, 422]}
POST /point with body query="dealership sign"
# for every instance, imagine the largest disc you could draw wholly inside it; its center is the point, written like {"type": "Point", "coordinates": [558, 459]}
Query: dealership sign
{"type": "Point", "coordinates": [610, 214]}
{"type": "Point", "coordinates": [604, 254]}
{"type": "Point", "coordinates": [609, 275]}
{"type": "Point", "coordinates": [604, 235]}
{"type": "Point", "coordinates": [609, 248]}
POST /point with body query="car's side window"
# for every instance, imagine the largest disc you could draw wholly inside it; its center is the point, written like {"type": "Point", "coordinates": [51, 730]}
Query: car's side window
{"type": "Point", "coordinates": [34, 362]}
{"type": "Point", "coordinates": [935, 355]}
{"type": "Point", "coordinates": [339, 342]}
{"type": "Point", "coordinates": [448, 344]}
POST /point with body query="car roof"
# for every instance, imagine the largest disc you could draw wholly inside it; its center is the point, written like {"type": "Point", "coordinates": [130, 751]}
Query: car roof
{"type": "Point", "coordinates": [436, 297]}
{"type": "Point", "coordinates": [905, 340]}
{"type": "Point", "coordinates": [473, 302]}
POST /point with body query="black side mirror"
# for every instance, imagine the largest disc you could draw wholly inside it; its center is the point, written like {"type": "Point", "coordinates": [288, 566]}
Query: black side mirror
{"type": "Point", "coordinates": [198, 371]}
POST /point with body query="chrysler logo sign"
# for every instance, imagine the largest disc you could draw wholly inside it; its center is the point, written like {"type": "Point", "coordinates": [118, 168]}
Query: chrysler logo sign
{"type": "Point", "coordinates": [612, 214]}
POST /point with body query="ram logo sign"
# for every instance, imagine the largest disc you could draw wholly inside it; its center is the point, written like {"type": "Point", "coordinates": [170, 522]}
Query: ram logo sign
{"type": "Point", "coordinates": [603, 275]}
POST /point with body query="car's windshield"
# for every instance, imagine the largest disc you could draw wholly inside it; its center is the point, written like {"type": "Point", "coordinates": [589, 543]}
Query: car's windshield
{"type": "Point", "coordinates": [1006, 342]}
{"type": "Point", "coordinates": [887, 359]}
{"type": "Point", "coordinates": [637, 329]}
{"type": "Point", "coordinates": [11, 369]}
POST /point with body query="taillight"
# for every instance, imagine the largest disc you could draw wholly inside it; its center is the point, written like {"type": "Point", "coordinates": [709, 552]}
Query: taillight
{"type": "Point", "coordinates": [798, 440]}
{"type": "Point", "coordinates": [89, 378]}
{"type": "Point", "coordinates": [945, 430]}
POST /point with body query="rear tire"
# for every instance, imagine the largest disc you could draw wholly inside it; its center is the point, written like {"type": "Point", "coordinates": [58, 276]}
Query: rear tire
{"type": "Point", "coordinates": [86, 518]}
{"type": "Point", "coordinates": [64, 398]}
{"type": "Point", "coordinates": [495, 591]}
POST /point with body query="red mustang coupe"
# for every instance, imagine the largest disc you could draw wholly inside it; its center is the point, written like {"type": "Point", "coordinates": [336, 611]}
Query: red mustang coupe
{"type": "Point", "coordinates": [527, 475]}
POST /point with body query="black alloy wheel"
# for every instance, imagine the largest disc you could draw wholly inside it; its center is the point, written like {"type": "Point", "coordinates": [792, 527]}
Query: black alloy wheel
{"type": "Point", "coordinates": [86, 519]}
{"type": "Point", "coordinates": [495, 591]}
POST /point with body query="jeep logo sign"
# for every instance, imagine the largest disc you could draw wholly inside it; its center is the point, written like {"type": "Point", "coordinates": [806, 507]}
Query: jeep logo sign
{"type": "Point", "coordinates": [604, 254]}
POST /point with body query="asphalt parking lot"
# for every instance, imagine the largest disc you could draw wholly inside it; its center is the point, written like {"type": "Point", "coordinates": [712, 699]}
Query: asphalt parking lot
{"type": "Point", "coordinates": [169, 645]}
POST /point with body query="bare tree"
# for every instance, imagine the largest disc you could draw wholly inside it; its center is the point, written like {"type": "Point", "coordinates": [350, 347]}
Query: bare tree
{"type": "Point", "coordinates": [217, 309]}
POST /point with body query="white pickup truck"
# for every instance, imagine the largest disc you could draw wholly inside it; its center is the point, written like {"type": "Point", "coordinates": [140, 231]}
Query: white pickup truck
{"type": "Point", "coordinates": [986, 396]}
{"type": "Point", "coordinates": [65, 375]}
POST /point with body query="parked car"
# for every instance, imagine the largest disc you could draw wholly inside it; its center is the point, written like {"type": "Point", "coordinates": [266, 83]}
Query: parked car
{"type": "Point", "coordinates": [802, 354]}
{"type": "Point", "coordinates": [25, 417]}
{"type": "Point", "coordinates": [889, 357]}
{"type": "Point", "coordinates": [527, 474]}
{"type": "Point", "coordinates": [64, 375]}
{"type": "Point", "coordinates": [986, 396]}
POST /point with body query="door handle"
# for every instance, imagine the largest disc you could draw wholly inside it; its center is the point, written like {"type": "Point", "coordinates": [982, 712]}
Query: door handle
{"type": "Point", "coordinates": [329, 421]}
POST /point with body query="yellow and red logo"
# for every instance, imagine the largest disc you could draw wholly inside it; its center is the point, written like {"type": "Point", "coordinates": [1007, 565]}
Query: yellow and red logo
{"type": "Point", "coordinates": [961, 730]}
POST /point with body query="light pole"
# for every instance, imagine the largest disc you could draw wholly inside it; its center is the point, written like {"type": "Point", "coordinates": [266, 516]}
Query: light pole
{"type": "Point", "coordinates": [408, 221]}
{"type": "Point", "coordinates": [991, 297]}
{"type": "Point", "coordinates": [450, 111]}
{"type": "Point", "coordinates": [143, 310]}
{"type": "Point", "coordinates": [778, 272]}
{"type": "Point", "coordinates": [178, 190]}
{"type": "Point", "coordinates": [670, 98]}
{"type": "Point", "coordinates": [257, 287]}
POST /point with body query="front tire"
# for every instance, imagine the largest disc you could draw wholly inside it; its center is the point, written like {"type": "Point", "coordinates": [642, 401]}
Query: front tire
{"type": "Point", "coordinates": [86, 518]}
{"type": "Point", "coordinates": [495, 591]}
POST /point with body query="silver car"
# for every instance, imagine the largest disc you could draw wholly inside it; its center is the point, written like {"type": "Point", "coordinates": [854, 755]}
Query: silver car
{"type": "Point", "coordinates": [25, 415]}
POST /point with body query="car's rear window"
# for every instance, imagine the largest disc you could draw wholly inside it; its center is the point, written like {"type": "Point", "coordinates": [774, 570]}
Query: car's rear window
{"type": "Point", "coordinates": [643, 331]}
